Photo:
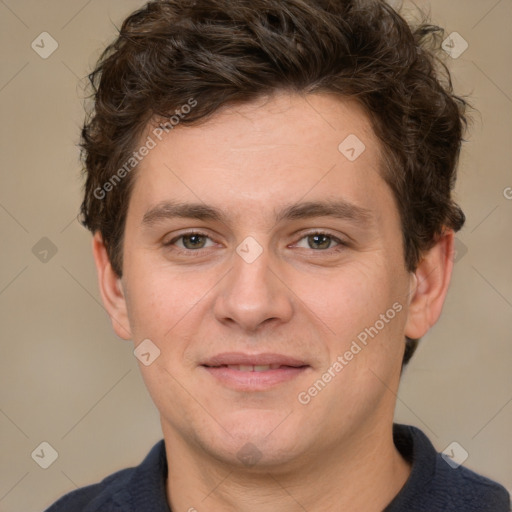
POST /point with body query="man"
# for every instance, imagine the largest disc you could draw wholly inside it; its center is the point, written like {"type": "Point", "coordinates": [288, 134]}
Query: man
{"type": "Point", "coordinates": [269, 187]}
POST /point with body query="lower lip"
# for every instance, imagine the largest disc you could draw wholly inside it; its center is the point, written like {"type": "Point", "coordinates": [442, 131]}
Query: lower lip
{"type": "Point", "coordinates": [254, 381]}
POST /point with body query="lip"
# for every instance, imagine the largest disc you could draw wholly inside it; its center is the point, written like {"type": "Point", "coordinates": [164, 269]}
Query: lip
{"type": "Point", "coordinates": [266, 358]}
{"type": "Point", "coordinates": [289, 369]}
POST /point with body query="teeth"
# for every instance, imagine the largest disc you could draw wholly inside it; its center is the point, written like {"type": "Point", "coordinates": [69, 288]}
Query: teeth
{"type": "Point", "coordinates": [262, 368]}
{"type": "Point", "coordinates": [253, 368]}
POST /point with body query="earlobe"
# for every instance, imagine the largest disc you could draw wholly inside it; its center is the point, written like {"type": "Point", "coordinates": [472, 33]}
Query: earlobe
{"type": "Point", "coordinates": [432, 279]}
{"type": "Point", "coordinates": [111, 289]}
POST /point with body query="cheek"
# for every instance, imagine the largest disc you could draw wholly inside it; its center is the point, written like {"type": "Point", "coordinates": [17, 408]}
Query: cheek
{"type": "Point", "coordinates": [162, 302]}
{"type": "Point", "coordinates": [348, 299]}
{"type": "Point", "coordinates": [361, 309]}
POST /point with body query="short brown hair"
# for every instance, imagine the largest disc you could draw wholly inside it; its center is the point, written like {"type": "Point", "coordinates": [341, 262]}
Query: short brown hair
{"type": "Point", "coordinates": [220, 52]}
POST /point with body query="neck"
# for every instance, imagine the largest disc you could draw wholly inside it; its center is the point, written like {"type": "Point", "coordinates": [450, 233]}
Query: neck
{"type": "Point", "coordinates": [363, 473]}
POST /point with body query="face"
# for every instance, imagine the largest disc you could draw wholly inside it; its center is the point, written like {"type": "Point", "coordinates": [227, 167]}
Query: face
{"type": "Point", "coordinates": [266, 264]}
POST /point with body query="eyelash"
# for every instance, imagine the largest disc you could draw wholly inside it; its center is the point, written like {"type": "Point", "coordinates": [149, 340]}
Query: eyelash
{"type": "Point", "coordinates": [340, 243]}
{"type": "Point", "coordinates": [186, 251]}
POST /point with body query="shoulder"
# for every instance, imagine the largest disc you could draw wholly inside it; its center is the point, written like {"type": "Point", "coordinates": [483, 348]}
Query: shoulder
{"type": "Point", "coordinates": [95, 497]}
{"type": "Point", "coordinates": [115, 492]}
{"type": "Point", "coordinates": [437, 483]}
{"type": "Point", "coordinates": [460, 486]}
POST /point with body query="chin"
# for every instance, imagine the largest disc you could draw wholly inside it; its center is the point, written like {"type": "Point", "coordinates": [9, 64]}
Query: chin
{"type": "Point", "coordinates": [252, 439]}
{"type": "Point", "coordinates": [256, 456]}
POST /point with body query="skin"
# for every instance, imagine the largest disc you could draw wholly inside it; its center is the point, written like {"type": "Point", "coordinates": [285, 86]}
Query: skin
{"type": "Point", "coordinates": [310, 302]}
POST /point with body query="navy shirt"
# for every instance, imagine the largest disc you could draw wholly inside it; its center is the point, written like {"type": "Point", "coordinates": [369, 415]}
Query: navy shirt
{"type": "Point", "coordinates": [433, 485]}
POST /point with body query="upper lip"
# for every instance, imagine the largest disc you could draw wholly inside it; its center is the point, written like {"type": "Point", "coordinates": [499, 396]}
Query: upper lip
{"type": "Point", "coordinates": [239, 358]}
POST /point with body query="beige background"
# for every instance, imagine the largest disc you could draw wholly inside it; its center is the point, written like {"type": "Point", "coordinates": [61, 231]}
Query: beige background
{"type": "Point", "coordinates": [66, 379]}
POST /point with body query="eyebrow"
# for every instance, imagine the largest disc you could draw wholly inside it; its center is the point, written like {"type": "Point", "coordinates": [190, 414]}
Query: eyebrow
{"type": "Point", "coordinates": [169, 210]}
{"type": "Point", "coordinates": [339, 209]}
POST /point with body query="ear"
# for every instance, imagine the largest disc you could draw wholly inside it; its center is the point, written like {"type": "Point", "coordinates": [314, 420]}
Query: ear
{"type": "Point", "coordinates": [111, 289]}
{"type": "Point", "coordinates": [432, 278]}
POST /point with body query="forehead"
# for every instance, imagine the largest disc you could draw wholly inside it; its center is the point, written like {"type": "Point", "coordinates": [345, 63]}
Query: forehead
{"type": "Point", "coordinates": [276, 150]}
{"type": "Point", "coordinates": [281, 122]}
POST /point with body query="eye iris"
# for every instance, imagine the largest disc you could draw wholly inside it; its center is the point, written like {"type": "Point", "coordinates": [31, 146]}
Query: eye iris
{"type": "Point", "coordinates": [319, 241]}
{"type": "Point", "coordinates": [193, 241]}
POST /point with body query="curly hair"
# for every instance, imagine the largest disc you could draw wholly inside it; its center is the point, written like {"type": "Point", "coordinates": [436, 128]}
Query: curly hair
{"type": "Point", "coordinates": [211, 53]}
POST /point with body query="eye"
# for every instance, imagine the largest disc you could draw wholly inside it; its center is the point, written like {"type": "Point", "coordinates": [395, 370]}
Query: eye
{"type": "Point", "coordinates": [191, 241]}
{"type": "Point", "coordinates": [319, 241]}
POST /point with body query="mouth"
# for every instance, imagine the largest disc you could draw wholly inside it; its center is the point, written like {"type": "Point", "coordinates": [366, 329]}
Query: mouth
{"type": "Point", "coordinates": [256, 372]}
{"type": "Point", "coordinates": [254, 367]}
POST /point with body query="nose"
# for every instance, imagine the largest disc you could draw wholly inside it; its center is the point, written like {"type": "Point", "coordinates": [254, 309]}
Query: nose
{"type": "Point", "coordinates": [253, 294]}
